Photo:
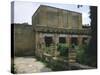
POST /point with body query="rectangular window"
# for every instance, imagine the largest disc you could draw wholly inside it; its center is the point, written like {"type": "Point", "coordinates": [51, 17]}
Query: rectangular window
{"type": "Point", "coordinates": [62, 40]}
{"type": "Point", "coordinates": [48, 41]}
{"type": "Point", "coordinates": [74, 40]}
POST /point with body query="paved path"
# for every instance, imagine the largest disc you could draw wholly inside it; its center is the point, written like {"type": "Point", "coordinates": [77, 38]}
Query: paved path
{"type": "Point", "coordinates": [29, 65]}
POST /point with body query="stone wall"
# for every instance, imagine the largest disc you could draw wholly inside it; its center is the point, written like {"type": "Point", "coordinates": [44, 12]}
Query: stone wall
{"type": "Point", "coordinates": [57, 18]}
{"type": "Point", "coordinates": [23, 43]}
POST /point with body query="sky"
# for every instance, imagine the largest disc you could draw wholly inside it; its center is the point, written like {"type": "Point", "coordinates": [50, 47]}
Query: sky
{"type": "Point", "coordinates": [23, 11]}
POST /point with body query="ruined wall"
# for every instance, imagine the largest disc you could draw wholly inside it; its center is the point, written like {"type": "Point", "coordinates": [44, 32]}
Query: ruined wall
{"type": "Point", "coordinates": [23, 40]}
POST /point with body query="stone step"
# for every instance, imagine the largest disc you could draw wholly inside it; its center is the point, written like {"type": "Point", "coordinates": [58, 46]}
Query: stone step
{"type": "Point", "coordinates": [72, 61]}
{"type": "Point", "coordinates": [72, 57]}
{"type": "Point", "coordinates": [72, 54]}
{"type": "Point", "coordinates": [71, 51]}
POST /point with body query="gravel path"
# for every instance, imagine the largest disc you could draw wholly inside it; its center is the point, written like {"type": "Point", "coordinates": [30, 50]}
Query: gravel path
{"type": "Point", "coordinates": [29, 65]}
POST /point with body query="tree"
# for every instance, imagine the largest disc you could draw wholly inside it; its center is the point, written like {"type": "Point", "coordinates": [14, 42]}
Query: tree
{"type": "Point", "coordinates": [92, 50]}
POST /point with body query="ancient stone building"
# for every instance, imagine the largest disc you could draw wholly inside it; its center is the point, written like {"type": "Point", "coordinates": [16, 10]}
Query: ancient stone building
{"type": "Point", "coordinates": [52, 26]}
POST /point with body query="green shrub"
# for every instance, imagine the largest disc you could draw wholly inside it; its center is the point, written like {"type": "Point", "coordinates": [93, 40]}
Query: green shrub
{"type": "Point", "coordinates": [81, 54]}
{"type": "Point", "coordinates": [63, 49]}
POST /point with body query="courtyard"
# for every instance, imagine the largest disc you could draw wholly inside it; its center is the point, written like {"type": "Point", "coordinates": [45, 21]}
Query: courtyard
{"type": "Point", "coordinates": [29, 65]}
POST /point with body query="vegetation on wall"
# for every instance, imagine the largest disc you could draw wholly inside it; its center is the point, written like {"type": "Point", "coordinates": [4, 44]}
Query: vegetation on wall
{"type": "Point", "coordinates": [63, 49]}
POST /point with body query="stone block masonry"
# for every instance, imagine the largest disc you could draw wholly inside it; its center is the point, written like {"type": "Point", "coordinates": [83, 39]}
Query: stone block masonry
{"type": "Point", "coordinates": [23, 42]}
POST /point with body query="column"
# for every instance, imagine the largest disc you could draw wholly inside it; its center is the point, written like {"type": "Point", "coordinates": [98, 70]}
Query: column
{"type": "Point", "coordinates": [80, 40]}
{"type": "Point", "coordinates": [42, 44]}
{"type": "Point", "coordinates": [55, 40]}
{"type": "Point", "coordinates": [68, 39]}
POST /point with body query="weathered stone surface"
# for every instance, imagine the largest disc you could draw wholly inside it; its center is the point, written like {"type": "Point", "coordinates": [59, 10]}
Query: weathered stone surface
{"type": "Point", "coordinates": [29, 65]}
{"type": "Point", "coordinates": [23, 40]}
{"type": "Point", "coordinates": [56, 17]}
